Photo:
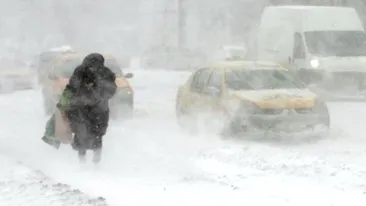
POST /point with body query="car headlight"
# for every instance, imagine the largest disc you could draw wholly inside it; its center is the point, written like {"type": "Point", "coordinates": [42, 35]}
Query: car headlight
{"type": "Point", "coordinates": [125, 91]}
{"type": "Point", "coordinates": [314, 63]}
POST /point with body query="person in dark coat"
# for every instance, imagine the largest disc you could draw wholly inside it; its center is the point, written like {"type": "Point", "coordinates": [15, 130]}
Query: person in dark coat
{"type": "Point", "coordinates": [90, 88]}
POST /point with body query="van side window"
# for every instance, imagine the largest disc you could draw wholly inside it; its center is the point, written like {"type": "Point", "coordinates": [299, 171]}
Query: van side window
{"type": "Point", "coordinates": [299, 49]}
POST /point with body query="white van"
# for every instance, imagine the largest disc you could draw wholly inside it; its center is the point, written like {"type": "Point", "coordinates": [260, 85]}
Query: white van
{"type": "Point", "coordinates": [324, 46]}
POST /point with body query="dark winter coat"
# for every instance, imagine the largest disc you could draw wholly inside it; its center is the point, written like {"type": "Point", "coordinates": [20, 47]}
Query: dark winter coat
{"type": "Point", "coordinates": [91, 87]}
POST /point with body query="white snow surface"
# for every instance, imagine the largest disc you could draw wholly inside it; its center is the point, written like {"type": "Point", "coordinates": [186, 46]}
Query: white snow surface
{"type": "Point", "coordinates": [151, 161]}
{"type": "Point", "coordinates": [20, 185]}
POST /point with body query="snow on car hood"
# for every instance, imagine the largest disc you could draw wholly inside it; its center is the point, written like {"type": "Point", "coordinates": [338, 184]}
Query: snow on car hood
{"type": "Point", "coordinates": [352, 64]}
{"type": "Point", "coordinates": [277, 98]}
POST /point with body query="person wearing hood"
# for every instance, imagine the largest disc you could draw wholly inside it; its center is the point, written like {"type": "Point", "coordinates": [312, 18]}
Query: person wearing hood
{"type": "Point", "coordinates": [85, 103]}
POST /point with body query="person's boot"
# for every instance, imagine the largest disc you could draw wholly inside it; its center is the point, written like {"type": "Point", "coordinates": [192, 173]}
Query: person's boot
{"type": "Point", "coordinates": [97, 156]}
{"type": "Point", "coordinates": [53, 142]}
{"type": "Point", "coordinates": [82, 156]}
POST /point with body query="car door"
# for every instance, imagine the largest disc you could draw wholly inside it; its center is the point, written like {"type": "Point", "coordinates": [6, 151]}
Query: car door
{"type": "Point", "coordinates": [196, 89]}
{"type": "Point", "coordinates": [211, 100]}
{"type": "Point", "coordinates": [213, 91]}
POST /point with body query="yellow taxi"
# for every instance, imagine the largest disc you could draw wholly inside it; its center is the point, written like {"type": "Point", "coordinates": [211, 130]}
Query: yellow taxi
{"type": "Point", "coordinates": [44, 60]}
{"type": "Point", "coordinates": [249, 96]}
{"type": "Point", "coordinates": [63, 67]}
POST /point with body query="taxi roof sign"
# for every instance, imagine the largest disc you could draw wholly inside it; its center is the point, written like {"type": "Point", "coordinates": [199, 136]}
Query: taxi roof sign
{"type": "Point", "coordinates": [233, 52]}
{"type": "Point", "coordinates": [63, 48]}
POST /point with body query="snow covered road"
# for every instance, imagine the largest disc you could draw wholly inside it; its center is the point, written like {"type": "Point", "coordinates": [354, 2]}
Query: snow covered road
{"type": "Point", "coordinates": [151, 161]}
{"type": "Point", "coordinates": [20, 185]}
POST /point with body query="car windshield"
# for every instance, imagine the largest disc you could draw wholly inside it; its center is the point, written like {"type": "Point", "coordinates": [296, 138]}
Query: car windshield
{"type": "Point", "coordinates": [336, 43]}
{"type": "Point", "coordinates": [66, 67]}
{"type": "Point", "coordinates": [261, 79]}
{"type": "Point", "coordinates": [46, 56]}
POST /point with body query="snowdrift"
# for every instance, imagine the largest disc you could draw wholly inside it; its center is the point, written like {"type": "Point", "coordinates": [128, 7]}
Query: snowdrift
{"type": "Point", "coordinates": [20, 185]}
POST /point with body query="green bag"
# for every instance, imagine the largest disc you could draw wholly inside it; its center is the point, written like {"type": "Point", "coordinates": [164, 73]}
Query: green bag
{"type": "Point", "coordinates": [64, 102]}
{"type": "Point", "coordinates": [50, 128]}
{"type": "Point", "coordinates": [49, 136]}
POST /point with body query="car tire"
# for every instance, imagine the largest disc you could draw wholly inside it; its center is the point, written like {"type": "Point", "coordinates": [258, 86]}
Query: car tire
{"type": "Point", "coordinates": [232, 128]}
{"type": "Point", "coordinates": [185, 119]}
{"type": "Point", "coordinates": [182, 117]}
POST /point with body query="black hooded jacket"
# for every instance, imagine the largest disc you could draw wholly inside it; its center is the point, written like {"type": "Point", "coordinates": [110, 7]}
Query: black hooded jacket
{"type": "Point", "coordinates": [92, 86]}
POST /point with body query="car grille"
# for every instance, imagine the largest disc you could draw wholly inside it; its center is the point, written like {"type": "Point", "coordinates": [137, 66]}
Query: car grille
{"type": "Point", "coordinates": [271, 111]}
{"type": "Point", "coordinates": [304, 110]}
{"type": "Point", "coordinates": [280, 111]}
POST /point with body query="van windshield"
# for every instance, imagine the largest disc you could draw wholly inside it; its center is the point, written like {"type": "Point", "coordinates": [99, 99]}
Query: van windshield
{"type": "Point", "coordinates": [336, 43]}
{"type": "Point", "coordinates": [261, 79]}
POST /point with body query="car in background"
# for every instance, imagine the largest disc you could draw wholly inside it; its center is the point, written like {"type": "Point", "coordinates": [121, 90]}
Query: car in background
{"type": "Point", "coordinates": [249, 97]}
{"type": "Point", "coordinates": [45, 60]}
{"type": "Point", "coordinates": [63, 66]}
{"type": "Point", "coordinates": [16, 74]}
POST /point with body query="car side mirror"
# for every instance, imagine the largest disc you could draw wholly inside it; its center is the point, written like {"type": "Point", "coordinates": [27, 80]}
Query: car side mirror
{"type": "Point", "coordinates": [128, 75]}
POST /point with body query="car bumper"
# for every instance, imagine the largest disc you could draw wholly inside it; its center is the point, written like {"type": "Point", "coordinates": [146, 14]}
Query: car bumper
{"type": "Point", "coordinates": [289, 123]}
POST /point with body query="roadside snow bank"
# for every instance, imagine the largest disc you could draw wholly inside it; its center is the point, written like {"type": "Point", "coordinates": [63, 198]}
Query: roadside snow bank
{"type": "Point", "coordinates": [20, 185]}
